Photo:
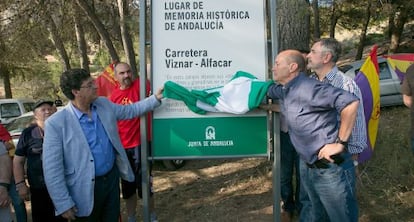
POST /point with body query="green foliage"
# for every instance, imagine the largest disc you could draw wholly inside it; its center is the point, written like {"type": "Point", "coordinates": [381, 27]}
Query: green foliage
{"type": "Point", "coordinates": [40, 80]}
{"type": "Point", "coordinates": [352, 18]}
{"type": "Point", "coordinates": [102, 58]}
{"type": "Point", "coordinates": [374, 38]}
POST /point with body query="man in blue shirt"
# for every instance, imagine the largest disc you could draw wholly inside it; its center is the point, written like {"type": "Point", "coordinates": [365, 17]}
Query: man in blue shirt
{"type": "Point", "coordinates": [311, 110]}
{"type": "Point", "coordinates": [83, 157]}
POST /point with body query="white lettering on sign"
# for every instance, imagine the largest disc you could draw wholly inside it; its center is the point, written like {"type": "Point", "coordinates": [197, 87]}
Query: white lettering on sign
{"type": "Point", "coordinates": [201, 44]}
{"type": "Point", "coordinates": [185, 53]}
{"type": "Point", "coordinates": [214, 143]}
{"type": "Point", "coordinates": [183, 5]}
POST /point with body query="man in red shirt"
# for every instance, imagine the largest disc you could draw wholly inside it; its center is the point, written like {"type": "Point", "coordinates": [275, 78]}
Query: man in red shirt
{"type": "Point", "coordinates": [129, 132]}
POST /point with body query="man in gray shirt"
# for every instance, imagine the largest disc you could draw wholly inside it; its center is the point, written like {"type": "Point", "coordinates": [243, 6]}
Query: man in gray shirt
{"type": "Point", "coordinates": [311, 109]}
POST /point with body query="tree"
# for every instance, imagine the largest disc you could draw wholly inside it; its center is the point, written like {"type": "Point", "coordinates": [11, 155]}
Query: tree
{"type": "Point", "coordinates": [23, 41]}
{"type": "Point", "coordinates": [80, 37]}
{"type": "Point", "coordinates": [399, 12]}
{"type": "Point", "coordinates": [103, 33]}
{"type": "Point", "coordinates": [334, 17]}
{"type": "Point", "coordinates": [316, 26]}
{"type": "Point", "coordinates": [294, 24]}
{"type": "Point", "coordinates": [4, 71]}
{"type": "Point", "coordinates": [363, 34]}
{"type": "Point", "coordinates": [126, 38]}
{"type": "Point", "coordinates": [57, 41]}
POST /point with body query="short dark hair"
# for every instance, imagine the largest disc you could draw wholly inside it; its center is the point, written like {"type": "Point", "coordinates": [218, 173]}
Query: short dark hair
{"type": "Point", "coordinates": [72, 79]}
{"type": "Point", "coordinates": [333, 46]}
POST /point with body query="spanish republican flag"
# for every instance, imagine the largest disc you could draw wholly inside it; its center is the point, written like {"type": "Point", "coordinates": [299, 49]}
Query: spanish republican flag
{"type": "Point", "coordinates": [368, 81]}
{"type": "Point", "coordinates": [400, 63]}
{"type": "Point", "coordinates": [106, 81]}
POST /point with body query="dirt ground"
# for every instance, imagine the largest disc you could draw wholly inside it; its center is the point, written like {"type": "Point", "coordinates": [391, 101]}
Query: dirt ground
{"type": "Point", "coordinates": [240, 190]}
{"type": "Point", "coordinates": [211, 190]}
{"type": "Point", "coordinates": [215, 190]}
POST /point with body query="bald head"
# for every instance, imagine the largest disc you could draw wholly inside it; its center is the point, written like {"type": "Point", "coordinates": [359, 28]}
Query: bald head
{"type": "Point", "coordinates": [288, 64]}
{"type": "Point", "coordinates": [295, 56]}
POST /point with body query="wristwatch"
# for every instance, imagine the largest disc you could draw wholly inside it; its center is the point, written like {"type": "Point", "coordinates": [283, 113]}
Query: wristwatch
{"type": "Point", "coordinates": [344, 143]}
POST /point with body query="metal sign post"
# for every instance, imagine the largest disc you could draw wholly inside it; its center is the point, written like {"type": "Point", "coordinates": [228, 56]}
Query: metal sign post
{"type": "Point", "coordinates": [146, 198]}
{"type": "Point", "coordinates": [276, 123]}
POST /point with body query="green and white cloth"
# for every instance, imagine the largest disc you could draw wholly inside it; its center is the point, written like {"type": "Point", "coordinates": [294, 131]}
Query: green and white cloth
{"type": "Point", "coordinates": [241, 94]}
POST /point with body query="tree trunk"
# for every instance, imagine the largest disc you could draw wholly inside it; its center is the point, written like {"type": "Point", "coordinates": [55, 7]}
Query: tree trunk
{"type": "Point", "coordinates": [4, 71]}
{"type": "Point", "coordinates": [333, 20]}
{"type": "Point", "coordinates": [57, 41]}
{"type": "Point", "coordinates": [80, 37]}
{"type": "Point", "coordinates": [364, 32]}
{"type": "Point", "coordinates": [5, 74]}
{"type": "Point", "coordinates": [126, 38]}
{"type": "Point", "coordinates": [399, 20]}
{"type": "Point", "coordinates": [103, 33]}
{"type": "Point", "coordinates": [316, 26]}
{"type": "Point", "coordinates": [294, 23]}
{"type": "Point", "coordinates": [391, 25]}
{"type": "Point", "coordinates": [7, 85]}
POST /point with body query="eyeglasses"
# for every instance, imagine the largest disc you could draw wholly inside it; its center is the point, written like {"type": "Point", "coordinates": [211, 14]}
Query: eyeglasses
{"type": "Point", "coordinates": [89, 85]}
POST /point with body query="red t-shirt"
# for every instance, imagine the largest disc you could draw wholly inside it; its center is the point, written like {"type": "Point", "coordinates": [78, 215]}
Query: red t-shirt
{"type": "Point", "coordinates": [4, 134]}
{"type": "Point", "coordinates": [129, 130]}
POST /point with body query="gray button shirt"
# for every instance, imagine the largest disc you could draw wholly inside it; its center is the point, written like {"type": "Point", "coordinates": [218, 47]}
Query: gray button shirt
{"type": "Point", "coordinates": [310, 108]}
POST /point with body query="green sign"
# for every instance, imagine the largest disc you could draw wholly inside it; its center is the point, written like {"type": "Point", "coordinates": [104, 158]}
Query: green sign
{"type": "Point", "coordinates": [200, 45]}
{"type": "Point", "coordinates": [210, 137]}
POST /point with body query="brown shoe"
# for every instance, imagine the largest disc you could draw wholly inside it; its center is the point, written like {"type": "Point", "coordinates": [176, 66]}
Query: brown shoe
{"type": "Point", "coordinates": [285, 216]}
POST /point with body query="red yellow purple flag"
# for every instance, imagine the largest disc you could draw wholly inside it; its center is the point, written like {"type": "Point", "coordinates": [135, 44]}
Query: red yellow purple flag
{"type": "Point", "coordinates": [400, 63]}
{"type": "Point", "coordinates": [368, 81]}
{"type": "Point", "coordinates": [106, 81]}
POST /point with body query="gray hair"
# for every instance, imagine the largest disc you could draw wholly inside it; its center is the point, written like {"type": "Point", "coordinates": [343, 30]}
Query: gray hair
{"type": "Point", "coordinates": [332, 46]}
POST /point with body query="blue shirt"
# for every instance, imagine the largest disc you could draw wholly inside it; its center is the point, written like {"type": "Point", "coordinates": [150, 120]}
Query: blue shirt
{"type": "Point", "coordinates": [311, 109]}
{"type": "Point", "coordinates": [358, 140]}
{"type": "Point", "coordinates": [101, 147]}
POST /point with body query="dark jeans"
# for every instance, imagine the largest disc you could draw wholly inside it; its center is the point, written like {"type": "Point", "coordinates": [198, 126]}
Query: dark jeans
{"type": "Point", "coordinates": [18, 204]}
{"type": "Point", "coordinates": [42, 206]}
{"type": "Point", "coordinates": [289, 168]}
{"type": "Point", "coordinates": [331, 192]}
{"type": "Point", "coordinates": [106, 206]}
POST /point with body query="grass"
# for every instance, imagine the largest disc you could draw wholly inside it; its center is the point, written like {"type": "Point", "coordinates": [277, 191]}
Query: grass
{"type": "Point", "coordinates": [386, 182]}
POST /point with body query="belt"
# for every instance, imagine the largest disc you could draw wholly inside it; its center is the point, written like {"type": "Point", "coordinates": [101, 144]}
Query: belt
{"type": "Point", "coordinates": [106, 175]}
{"type": "Point", "coordinates": [324, 163]}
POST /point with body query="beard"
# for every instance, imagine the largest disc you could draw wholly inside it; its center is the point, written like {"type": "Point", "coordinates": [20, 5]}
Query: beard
{"type": "Point", "coordinates": [127, 81]}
